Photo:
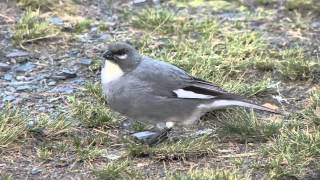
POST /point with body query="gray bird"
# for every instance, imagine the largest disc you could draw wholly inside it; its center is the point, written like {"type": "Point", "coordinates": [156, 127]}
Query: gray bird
{"type": "Point", "coordinates": [158, 93]}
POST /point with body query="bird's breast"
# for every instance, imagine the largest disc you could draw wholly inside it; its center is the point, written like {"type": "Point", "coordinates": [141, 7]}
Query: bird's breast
{"type": "Point", "coordinates": [110, 72]}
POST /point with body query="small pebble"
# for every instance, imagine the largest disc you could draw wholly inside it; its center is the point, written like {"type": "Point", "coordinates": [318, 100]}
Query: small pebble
{"type": "Point", "coordinates": [35, 171]}
{"type": "Point", "coordinates": [24, 88]}
{"type": "Point", "coordinates": [56, 21]}
{"type": "Point", "coordinates": [17, 54]}
{"type": "Point", "coordinates": [86, 61]}
{"type": "Point", "coordinates": [9, 98]}
{"type": "Point", "coordinates": [4, 67]}
{"type": "Point", "coordinates": [27, 67]}
{"type": "Point", "coordinates": [8, 77]}
{"type": "Point", "coordinates": [52, 83]}
{"type": "Point", "coordinates": [143, 135]}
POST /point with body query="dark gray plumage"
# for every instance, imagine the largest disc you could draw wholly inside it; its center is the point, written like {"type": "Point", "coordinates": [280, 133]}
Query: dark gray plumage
{"type": "Point", "coordinates": [159, 93]}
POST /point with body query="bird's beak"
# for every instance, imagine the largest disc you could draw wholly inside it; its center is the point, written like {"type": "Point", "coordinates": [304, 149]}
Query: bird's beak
{"type": "Point", "coordinates": [107, 55]}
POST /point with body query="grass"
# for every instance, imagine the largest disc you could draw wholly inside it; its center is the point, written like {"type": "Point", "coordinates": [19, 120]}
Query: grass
{"type": "Point", "coordinates": [219, 49]}
{"type": "Point", "coordinates": [82, 26]}
{"type": "Point", "coordinates": [155, 20]}
{"type": "Point", "coordinates": [182, 149]}
{"type": "Point", "coordinates": [13, 125]}
{"type": "Point", "coordinates": [303, 5]}
{"type": "Point", "coordinates": [212, 174]}
{"type": "Point", "coordinates": [292, 152]}
{"type": "Point", "coordinates": [245, 125]}
{"type": "Point", "coordinates": [295, 65]}
{"type": "Point", "coordinates": [36, 4]}
{"type": "Point", "coordinates": [95, 90]}
{"type": "Point", "coordinates": [118, 170]}
{"type": "Point", "coordinates": [216, 6]}
{"type": "Point", "coordinates": [91, 114]}
{"type": "Point", "coordinates": [44, 153]}
{"type": "Point", "coordinates": [31, 27]}
{"type": "Point", "coordinates": [297, 147]}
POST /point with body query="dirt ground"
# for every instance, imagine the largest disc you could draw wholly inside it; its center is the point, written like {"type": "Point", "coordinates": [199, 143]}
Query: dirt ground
{"type": "Point", "coordinates": [40, 76]}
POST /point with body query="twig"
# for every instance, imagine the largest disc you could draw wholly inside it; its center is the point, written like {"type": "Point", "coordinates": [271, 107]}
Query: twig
{"type": "Point", "coordinates": [105, 133]}
{"type": "Point", "coordinates": [6, 17]}
{"type": "Point", "coordinates": [238, 155]}
{"type": "Point", "coordinates": [40, 38]}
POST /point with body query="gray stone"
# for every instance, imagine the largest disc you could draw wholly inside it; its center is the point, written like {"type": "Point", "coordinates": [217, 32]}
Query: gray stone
{"type": "Point", "coordinates": [56, 21]}
{"type": "Point", "coordinates": [143, 135]}
{"type": "Point", "coordinates": [105, 37]}
{"type": "Point", "coordinates": [52, 83]}
{"type": "Point", "coordinates": [94, 29]}
{"type": "Point", "coordinates": [63, 89]}
{"type": "Point", "coordinates": [67, 74]}
{"type": "Point", "coordinates": [316, 25]}
{"type": "Point", "coordinates": [86, 61]}
{"type": "Point", "coordinates": [20, 78]}
{"type": "Point", "coordinates": [4, 67]}
{"type": "Point", "coordinates": [17, 54]}
{"type": "Point", "coordinates": [8, 77]}
{"type": "Point", "coordinates": [9, 98]}
{"type": "Point", "coordinates": [42, 109]}
{"type": "Point", "coordinates": [113, 155]}
{"type": "Point", "coordinates": [24, 88]}
{"type": "Point", "coordinates": [27, 67]}
{"type": "Point", "coordinates": [31, 124]}
{"type": "Point", "coordinates": [36, 170]}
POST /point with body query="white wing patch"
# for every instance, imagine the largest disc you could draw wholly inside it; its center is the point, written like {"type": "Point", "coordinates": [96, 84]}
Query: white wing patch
{"type": "Point", "coordinates": [110, 72]}
{"type": "Point", "coordinates": [181, 93]}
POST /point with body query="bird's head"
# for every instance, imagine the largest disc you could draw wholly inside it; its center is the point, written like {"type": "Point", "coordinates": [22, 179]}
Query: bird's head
{"type": "Point", "coordinates": [123, 55]}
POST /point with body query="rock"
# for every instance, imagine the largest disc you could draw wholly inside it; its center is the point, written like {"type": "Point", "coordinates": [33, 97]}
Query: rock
{"type": "Point", "coordinates": [94, 29]}
{"type": "Point", "coordinates": [143, 135]}
{"type": "Point", "coordinates": [63, 89]}
{"type": "Point", "coordinates": [27, 67]}
{"type": "Point", "coordinates": [8, 77]}
{"type": "Point", "coordinates": [4, 67]}
{"type": "Point", "coordinates": [113, 155]}
{"type": "Point", "coordinates": [145, 2]}
{"type": "Point", "coordinates": [42, 109]}
{"type": "Point", "coordinates": [36, 170]}
{"type": "Point", "coordinates": [20, 78]}
{"type": "Point", "coordinates": [65, 74]}
{"type": "Point", "coordinates": [105, 37]}
{"type": "Point", "coordinates": [138, 2]}
{"type": "Point", "coordinates": [31, 124]}
{"type": "Point", "coordinates": [55, 20]}
{"type": "Point", "coordinates": [86, 61]}
{"type": "Point", "coordinates": [52, 83]}
{"type": "Point", "coordinates": [316, 25]}
{"type": "Point", "coordinates": [17, 54]}
{"type": "Point", "coordinates": [24, 88]}
{"type": "Point", "coordinates": [9, 98]}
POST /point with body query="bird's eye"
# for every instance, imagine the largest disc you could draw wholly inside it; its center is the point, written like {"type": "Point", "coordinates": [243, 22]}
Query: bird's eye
{"type": "Point", "coordinates": [120, 52]}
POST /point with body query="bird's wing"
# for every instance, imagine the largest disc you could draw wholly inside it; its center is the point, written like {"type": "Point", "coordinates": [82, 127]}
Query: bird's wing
{"type": "Point", "coordinates": [200, 89]}
{"type": "Point", "coordinates": [203, 90]}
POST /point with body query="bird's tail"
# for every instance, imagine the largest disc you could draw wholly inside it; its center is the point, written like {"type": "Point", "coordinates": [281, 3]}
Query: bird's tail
{"type": "Point", "coordinates": [223, 103]}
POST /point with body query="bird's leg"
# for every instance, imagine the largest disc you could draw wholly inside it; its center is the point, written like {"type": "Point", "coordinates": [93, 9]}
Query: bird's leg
{"type": "Point", "coordinates": [159, 138]}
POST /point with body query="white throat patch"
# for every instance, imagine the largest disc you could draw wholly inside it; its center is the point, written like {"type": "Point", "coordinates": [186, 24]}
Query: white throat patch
{"type": "Point", "coordinates": [110, 72]}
